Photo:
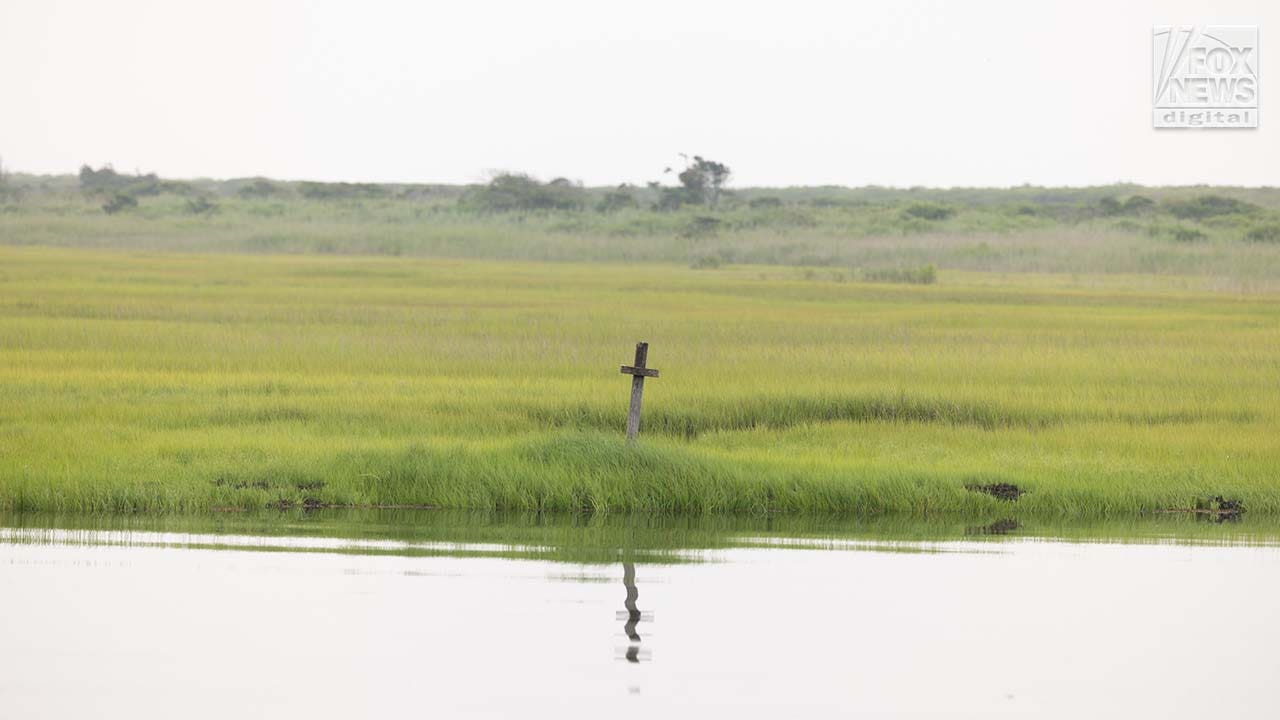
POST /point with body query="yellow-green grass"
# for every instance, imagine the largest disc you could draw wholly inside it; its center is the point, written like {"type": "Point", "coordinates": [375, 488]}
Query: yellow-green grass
{"type": "Point", "coordinates": [161, 381]}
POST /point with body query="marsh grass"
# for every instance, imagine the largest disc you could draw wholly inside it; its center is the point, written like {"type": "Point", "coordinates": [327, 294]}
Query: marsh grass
{"type": "Point", "coordinates": [142, 381]}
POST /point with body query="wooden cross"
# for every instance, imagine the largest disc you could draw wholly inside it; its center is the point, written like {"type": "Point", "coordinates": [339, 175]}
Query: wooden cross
{"type": "Point", "coordinates": [638, 373]}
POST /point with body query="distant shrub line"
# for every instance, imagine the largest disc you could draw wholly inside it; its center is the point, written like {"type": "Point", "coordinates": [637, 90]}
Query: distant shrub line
{"type": "Point", "coordinates": [696, 220]}
{"type": "Point", "coordinates": [923, 275]}
{"type": "Point", "coordinates": [702, 184]}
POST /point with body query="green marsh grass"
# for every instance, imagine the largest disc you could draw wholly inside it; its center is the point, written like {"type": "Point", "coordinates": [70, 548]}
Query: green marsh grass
{"type": "Point", "coordinates": [159, 381]}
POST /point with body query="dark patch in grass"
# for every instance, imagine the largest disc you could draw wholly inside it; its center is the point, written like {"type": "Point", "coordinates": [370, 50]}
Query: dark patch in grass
{"type": "Point", "coordinates": [268, 481]}
{"type": "Point", "coordinates": [999, 527]}
{"type": "Point", "coordinates": [1218, 508]}
{"type": "Point", "coordinates": [238, 484]}
{"type": "Point", "coordinates": [999, 491]}
{"type": "Point", "coordinates": [307, 503]}
{"type": "Point", "coordinates": [1228, 506]}
{"type": "Point", "coordinates": [314, 504]}
{"type": "Point", "coordinates": [923, 275]}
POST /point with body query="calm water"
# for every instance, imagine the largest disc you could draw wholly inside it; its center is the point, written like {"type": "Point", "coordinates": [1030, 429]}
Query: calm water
{"type": "Point", "coordinates": [433, 615]}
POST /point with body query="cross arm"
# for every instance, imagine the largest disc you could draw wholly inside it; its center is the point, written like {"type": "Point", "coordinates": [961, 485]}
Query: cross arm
{"type": "Point", "coordinates": [642, 372]}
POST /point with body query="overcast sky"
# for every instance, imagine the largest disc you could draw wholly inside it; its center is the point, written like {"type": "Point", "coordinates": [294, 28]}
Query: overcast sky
{"type": "Point", "coordinates": [892, 92]}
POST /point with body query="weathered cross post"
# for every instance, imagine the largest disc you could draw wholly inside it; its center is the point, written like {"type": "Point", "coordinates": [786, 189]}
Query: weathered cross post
{"type": "Point", "coordinates": [638, 373]}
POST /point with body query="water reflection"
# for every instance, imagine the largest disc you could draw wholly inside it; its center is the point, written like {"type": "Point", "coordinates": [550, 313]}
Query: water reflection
{"type": "Point", "coordinates": [632, 616]}
{"type": "Point", "coordinates": [600, 538]}
{"type": "Point", "coordinates": [242, 612]}
{"type": "Point", "coordinates": [999, 527]}
{"type": "Point", "coordinates": [633, 611]}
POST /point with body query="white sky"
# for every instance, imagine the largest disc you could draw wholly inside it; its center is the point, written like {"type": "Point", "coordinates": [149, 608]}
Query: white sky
{"type": "Point", "coordinates": [890, 92]}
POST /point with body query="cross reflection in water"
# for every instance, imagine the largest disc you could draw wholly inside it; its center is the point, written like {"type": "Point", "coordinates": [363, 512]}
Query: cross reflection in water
{"type": "Point", "coordinates": [632, 615]}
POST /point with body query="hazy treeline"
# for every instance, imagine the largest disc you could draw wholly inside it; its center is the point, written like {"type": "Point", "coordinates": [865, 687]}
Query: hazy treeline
{"type": "Point", "coordinates": [692, 216]}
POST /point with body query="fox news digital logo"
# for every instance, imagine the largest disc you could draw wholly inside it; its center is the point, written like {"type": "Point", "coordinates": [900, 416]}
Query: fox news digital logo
{"type": "Point", "coordinates": [1205, 76]}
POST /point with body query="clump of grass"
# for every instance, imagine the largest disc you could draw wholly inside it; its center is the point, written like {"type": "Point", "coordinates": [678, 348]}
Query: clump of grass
{"type": "Point", "coordinates": [1187, 234]}
{"type": "Point", "coordinates": [928, 211]}
{"type": "Point", "coordinates": [1208, 206]}
{"type": "Point", "coordinates": [1263, 234]}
